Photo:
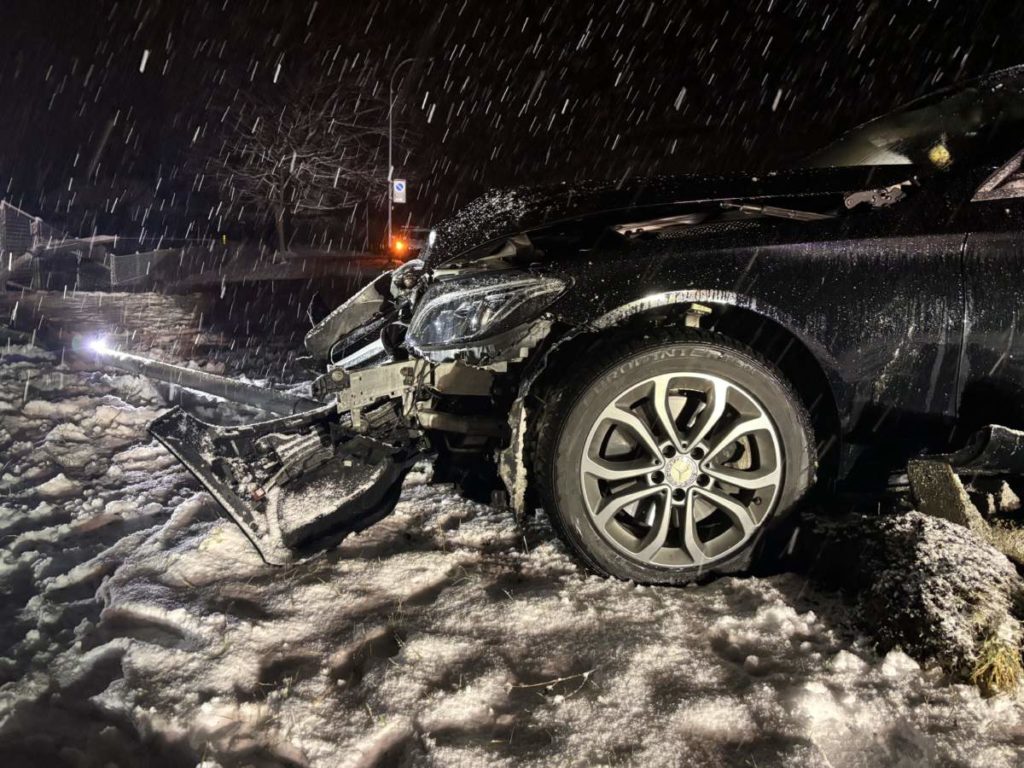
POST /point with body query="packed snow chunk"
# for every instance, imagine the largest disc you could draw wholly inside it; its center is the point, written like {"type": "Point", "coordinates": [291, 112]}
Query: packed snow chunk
{"type": "Point", "coordinates": [897, 664]}
{"type": "Point", "coordinates": [847, 662]}
{"type": "Point", "coordinates": [70, 447]}
{"type": "Point", "coordinates": [118, 421]}
{"type": "Point", "coordinates": [943, 591]}
{"type": "Point", "coordinates": [145, 458]}
{"type": "Point", "coordinates": [59, 487]}
{"type": "Point", "coordinates": [929, 587]}
{"type": "Point", "coordinates": [137, 389]}
{"type": "Point", "coordinates": [66, 409]}
{"type": "Point", "coordinates": [13, 520]}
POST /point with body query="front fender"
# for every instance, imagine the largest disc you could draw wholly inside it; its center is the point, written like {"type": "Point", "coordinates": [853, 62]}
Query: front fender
{"type": "Point", "coordinates": [512, 464]}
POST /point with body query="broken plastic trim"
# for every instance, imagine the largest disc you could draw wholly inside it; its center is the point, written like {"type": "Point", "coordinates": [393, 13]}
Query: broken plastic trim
{"type": "Point", "coordinates": [220, 386]}
{"type": "Point", "coordinates": [357, 487]}
{"type": "Point", "coordinates": [992, 450]}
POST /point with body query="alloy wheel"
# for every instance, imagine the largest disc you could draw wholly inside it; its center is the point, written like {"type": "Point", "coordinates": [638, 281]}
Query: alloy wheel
{"type": "Point", "coordinates": [681, 469]}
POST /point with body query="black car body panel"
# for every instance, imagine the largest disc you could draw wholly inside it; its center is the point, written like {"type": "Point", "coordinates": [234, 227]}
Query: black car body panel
{"type": "Point", "coordinates": [876, 295]}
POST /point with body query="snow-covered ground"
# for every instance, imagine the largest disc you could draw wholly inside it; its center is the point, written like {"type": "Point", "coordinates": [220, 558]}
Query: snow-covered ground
{"type": "Point", "coordinates": [138, 627]}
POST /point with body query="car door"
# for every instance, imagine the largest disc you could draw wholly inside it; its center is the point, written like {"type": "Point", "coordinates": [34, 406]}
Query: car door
{"type": "Point", "coordinates": [992, 368]}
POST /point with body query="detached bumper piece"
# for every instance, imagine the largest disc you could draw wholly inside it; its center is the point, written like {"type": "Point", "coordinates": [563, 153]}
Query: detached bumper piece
{"type": "Point", "coordinates": [295, 485]}
{"type": "Point", "coordinates": [993, 450]}
{"type": "Point", "coordinates": [935, 480]}
{"type": "Point", "coordinates": [937, 488]}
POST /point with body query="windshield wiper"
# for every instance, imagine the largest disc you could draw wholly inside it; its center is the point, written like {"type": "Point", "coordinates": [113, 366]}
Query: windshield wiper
{"type": "Point", "coordinates": [779, 213]}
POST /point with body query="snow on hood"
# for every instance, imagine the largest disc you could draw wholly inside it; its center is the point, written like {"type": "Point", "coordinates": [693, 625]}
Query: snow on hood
{"type": "Point", "coordinates": [501, 213]}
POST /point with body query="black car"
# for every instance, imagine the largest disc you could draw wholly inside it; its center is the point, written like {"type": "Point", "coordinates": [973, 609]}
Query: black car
{"type": "Point", "coordinates": [665, 365]}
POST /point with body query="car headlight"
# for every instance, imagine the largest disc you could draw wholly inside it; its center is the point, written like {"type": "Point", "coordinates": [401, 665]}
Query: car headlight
{"type": "Point", "coordinates": [456, 312]}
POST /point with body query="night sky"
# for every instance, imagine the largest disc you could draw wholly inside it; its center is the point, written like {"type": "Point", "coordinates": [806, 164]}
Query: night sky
{"type": "Point", "coordinates": [503, 93]}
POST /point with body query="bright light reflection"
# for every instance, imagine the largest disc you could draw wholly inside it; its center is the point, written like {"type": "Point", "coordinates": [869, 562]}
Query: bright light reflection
{"type": "Point", "coordinates": [98, 344]}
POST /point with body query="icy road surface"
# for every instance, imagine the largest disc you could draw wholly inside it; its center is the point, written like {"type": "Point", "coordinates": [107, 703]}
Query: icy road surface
{"type": "Point", "coordinates": [137, 627]}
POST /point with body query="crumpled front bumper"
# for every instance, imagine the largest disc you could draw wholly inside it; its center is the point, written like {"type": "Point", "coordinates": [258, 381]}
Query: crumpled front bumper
{"type": "Point", "coordinates": [349, 492]}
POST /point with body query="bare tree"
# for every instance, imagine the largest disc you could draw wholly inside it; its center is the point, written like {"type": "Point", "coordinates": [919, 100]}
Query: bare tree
{"type": "Point", "coordinates": [302, 149]}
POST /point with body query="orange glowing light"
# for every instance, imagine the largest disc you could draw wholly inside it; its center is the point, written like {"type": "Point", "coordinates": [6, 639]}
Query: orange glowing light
{"type": "Point", "coordinates": [399, 246]}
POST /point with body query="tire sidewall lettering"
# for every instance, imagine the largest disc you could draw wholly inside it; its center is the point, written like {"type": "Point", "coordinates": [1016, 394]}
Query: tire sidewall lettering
{"type": "Point", "coordinates": [649, 358]}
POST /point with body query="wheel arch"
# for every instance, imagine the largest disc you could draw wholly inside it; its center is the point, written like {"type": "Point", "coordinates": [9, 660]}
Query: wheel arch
{"type": "Point", "coordinates": [806, 365]}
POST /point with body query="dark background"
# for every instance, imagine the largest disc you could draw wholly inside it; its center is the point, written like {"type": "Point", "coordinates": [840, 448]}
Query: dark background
{"type": "Point", "coordinates": [512, 92]}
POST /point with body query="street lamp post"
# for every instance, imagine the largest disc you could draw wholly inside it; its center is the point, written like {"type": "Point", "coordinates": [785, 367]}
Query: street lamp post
{"type": "Point", "coordinates": [391, 167]}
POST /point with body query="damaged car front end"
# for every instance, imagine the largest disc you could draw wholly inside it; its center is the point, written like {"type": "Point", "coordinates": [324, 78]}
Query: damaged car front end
{"type": "Point", "coordinates": [666, 365]}
{"type": "Point", "coordinates": [407, 368]}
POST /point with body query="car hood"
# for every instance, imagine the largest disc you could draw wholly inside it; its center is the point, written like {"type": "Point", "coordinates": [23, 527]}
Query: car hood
{"type": "Point", "coordinates": [502, 213]}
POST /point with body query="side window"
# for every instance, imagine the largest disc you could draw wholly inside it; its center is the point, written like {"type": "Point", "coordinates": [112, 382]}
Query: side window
{"type": "Point", "coordinates": [1005, 183]}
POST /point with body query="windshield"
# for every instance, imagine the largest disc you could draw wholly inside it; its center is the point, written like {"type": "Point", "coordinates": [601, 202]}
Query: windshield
{"type": "Point", "coordinates": [974, 123]}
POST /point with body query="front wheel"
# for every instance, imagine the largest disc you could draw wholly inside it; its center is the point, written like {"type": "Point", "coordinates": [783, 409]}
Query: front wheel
{"type": "Point", "coordinates": [668, 458]}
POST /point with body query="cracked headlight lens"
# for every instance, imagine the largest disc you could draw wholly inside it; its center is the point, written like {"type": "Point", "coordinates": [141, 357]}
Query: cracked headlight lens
{"type": "Point", "coordinates": [457, 312]}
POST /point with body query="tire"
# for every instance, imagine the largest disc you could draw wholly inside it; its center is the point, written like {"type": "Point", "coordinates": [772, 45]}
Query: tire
{"type": "Point", "coordinates": [675, 514]}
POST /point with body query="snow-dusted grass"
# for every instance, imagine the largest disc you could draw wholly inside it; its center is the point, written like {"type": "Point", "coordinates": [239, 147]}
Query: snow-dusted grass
{"type": "Point", "coordinates": [137, 624]}
{"type": "Point", "coordinates": [998, 668]}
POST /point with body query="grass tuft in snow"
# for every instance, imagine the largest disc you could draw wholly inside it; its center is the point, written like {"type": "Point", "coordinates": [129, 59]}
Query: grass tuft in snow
{"type": "Point", "coordinates": [998, 667]}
